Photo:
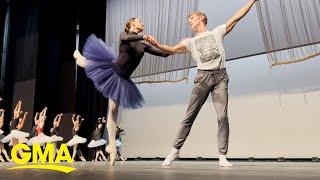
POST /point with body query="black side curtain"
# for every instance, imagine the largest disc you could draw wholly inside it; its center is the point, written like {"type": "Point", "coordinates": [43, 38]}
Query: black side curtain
{"type": "Point", "coordinates": [41, 44]}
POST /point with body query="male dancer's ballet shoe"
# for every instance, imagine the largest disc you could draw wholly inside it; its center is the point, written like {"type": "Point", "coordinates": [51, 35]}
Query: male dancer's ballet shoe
{"type": "Point", "coordinates": [174, 154]}
{"type": "Point", "coordinates": [112, 154]}
{"type": "Point", "coordinates": [223, 162]}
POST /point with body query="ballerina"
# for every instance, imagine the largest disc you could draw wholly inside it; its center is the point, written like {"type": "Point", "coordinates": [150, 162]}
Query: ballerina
{"type": "Point", "coordinates": [97, 140]}
{"type": "Point", "coordinates": [2, 149]}
{"type": "Point", "coordinates": [16, 124]}
{"type": "Point", "coordinates": [54, 132]}
{"type": "Point", "coordinates": [76, 139]}
{"type": "Point", "coordinates": [111, 74]}
{"type": "Point", "coordinates": [41, 138]}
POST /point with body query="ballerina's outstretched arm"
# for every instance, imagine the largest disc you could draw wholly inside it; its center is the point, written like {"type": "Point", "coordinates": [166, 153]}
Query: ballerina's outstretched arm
{"type": "Point", "coordinates": [43, 116]}
{"type": "Point", "coordinates": [131, 37]}
{"type": "Point", "coordinates": [80, 122]}
{"type": "Point", "coordinates": [59, 119]}
{"type": "Point", "coordinates": [36, 118]}
{"type": "Point", "coordinates": [1, 117]}
{"type": "Point", "coordinates": [23, 120]}
{"type": "Point", "coordinates": [155, 51]}
{"type": "Point", "coordinates": [17, 110]}
{"type": "Point", "coordinates": [73, 119]}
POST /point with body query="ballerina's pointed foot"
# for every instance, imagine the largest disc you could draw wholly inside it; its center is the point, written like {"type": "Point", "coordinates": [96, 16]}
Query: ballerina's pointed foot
{"type": "Point", "coordinates": [112, 154]}
{"type": "Point", "coordinates": [77, 55]}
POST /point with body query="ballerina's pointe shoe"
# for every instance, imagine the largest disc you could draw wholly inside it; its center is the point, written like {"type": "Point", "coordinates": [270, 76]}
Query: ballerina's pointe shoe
{"type": "Point", "coordinates": [112, 154]}
{"type": "Point", "coordinates": [77, 54]}
{"type": "Point", "coordinates": [80, 60]}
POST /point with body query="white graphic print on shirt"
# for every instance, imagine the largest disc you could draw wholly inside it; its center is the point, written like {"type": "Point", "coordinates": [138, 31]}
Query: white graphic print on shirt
{"type": "Point", "coordinates": [207, 48]}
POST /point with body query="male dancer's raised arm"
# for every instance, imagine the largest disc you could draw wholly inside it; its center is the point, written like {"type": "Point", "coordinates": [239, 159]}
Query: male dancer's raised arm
{"type": "Point", "coordinates": [239, 15]}
{"type": "Point", "coordinates": [176, 49]}
{"type": "Point", "coordinates": [180, 47]}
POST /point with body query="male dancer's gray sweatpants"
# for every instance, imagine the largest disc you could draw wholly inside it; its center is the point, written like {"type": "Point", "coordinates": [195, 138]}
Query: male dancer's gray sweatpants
{"type": "Point", "coordinates": [216, 83]}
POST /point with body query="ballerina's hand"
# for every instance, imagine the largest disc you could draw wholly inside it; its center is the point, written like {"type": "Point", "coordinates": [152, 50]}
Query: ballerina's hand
{"type": "Point", "coordinates": [152, 40]}
{"type": "Point", "coordinates": [147, 38]}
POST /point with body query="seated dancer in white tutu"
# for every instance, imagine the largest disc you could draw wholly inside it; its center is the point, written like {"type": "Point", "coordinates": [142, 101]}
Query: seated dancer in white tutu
{"type": "Point", "coordinates": [111, 74]}
{"type": "Point", "coordinates": [41, 138]}
{"type": "Point", "coordinates": [97, 140]}
{"type": "Point", "coordinates": [76, 139]}
{"type": "Point", "coordinates": [16, 136]}
{"type": "Point", "coordinates": [2, 149]}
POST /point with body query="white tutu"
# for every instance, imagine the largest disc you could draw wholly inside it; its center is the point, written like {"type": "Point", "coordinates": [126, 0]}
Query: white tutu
{"type": "Point", "coordinates": [94, 143]}
{"type": "Point", "coordinates": [14, 134]}
{"type": "Point", "coordinates": [76, 140]}
{"type": "Point", "coordinates": [1, 135]}
{"type": "Point", "coordinates": [21, 141]}
{"type": "Point", "coordinates": [118, 143]}
{"type": "Point", "coordinates": [40, 139]}
{"type": "Point", "coordinates": [56, 138]}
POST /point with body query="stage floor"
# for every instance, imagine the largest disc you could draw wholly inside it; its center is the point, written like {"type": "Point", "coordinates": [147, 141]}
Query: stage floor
{"type": "Point", "coordinates": [202, 170]}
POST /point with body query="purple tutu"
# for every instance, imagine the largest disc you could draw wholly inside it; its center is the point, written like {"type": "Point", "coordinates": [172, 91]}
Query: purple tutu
{"type": "Point", "coordinates": [102, 71]}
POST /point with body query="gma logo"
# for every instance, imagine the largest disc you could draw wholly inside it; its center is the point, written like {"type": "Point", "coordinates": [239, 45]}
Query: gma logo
{"type": "Point", "coordinates": [39, 157]}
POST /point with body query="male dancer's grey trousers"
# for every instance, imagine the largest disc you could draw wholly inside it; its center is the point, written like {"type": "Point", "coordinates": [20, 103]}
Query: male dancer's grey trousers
{"type": "Point", "coordinates": [216, 83]}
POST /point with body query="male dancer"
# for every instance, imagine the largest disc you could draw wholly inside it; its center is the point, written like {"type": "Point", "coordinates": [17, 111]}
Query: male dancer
{"type": "Point", "coordinates": [207, 50]}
